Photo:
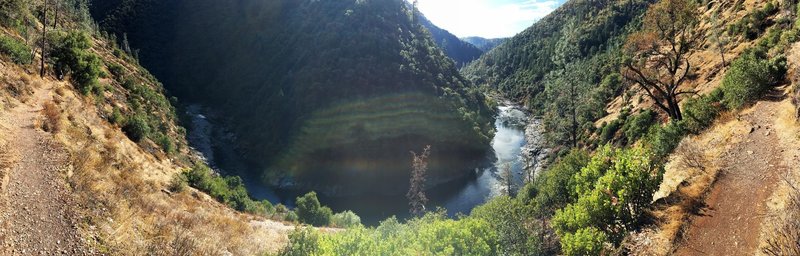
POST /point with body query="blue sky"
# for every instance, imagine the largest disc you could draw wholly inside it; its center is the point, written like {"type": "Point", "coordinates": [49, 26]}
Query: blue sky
{"type": "Point", "coordinates": [486, 18]}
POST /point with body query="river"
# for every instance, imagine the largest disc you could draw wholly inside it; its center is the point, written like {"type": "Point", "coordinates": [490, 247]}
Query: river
{"type": "Point", "coordinates": [212, 142]}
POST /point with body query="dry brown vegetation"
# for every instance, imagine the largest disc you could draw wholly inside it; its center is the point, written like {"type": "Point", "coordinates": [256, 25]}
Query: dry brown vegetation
{"type": "Point", "coordinates": [52, 117]}
{"type": "Point", "coordinates": [126, 204]}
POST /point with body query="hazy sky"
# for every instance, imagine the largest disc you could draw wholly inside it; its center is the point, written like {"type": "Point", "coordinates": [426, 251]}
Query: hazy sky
{"type": "Point", "coordinates": [486, 18]}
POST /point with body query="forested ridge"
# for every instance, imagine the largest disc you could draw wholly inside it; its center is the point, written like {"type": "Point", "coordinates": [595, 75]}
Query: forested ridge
{"type": "Point", "coordinates": [287, 66]}
{"type": "Point", "coordinates": [460, 51]}
{"type": "Point", "coordinates": [654, 111]}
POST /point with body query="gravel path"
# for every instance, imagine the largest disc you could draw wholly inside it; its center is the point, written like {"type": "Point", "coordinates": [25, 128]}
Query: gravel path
{"type": "Point", "coordinates": [735, 207]}
{"type": "Point", "coordinates": [36, 216]}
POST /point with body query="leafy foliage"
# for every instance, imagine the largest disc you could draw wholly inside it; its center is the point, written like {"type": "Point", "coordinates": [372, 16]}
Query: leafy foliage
{"type": "Point", "coordinates": [228, 190]}
{"type": "Point", "coordinates": [310, 211]}
{"type": "Point", "coordinates": [345, 219]}
{"type": "Point", "coordinates": [750, 76]}
{"type": "Point", "coordinates": [505, 216]}
{"type": "Point", "coordinates": [18, 51]}
{"type": "Point", "coordinates": [70, 54]}
{"type": "Point", "coordinates": [613, 191]}
{"type": "Point", "coordinates": [754, 23]}
{"type": "Point", "coordinates": [585, 241]}
{"type": "Point", "coordinates": [432, 234]}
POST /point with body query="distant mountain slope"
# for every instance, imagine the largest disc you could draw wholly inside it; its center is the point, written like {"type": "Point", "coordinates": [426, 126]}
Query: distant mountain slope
{"type": "Point", "coordinates": [317, 92]}
{"type": "Point", "coordinates": [518, 67]}
{"type": "Point", "coordinates": [484, 44]}
{"type": "Point", "coordinates": [460, 51]}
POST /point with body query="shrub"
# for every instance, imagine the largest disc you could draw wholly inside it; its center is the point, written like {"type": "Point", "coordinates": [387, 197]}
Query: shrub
{"type": "Point", "coordinates": [700, 112]}
{"type": "Point", "coordinates": [662, 140]}
{"type": "Point", "coordinates": [52, 114]}
{"type": "Point", "coordinates": [229, 190]}
{"type": "Point", "coordinates": [614, 191]}
{"type": "Point", "coordinates": [302, 242]}
{"type": "Point", "coordinates": [345, 219]}
{"type": "Point", "coordinates": [137, 128]}
{"type": "Point", "coordinates": [608, 131]}
{"type": "Point", "coordinates": [637, 125]}
{"type": "Point", "coordinates": [504, 215]}
{"type": "Point", "coordinates": [70, 54]}
{"type": "Point", "coordinates": [116, 117]}
{"type": "Point", "coordinates": [18, 51]}
{"type": "Point", "coordinates": [178, 183]}
{"type": "Point", "coordinates": [118, 71]}
{"type": "Point", "coordinates": [551, 189]}
{"type": "Point", "coordinates": [310, 211]}
{"type": "Point", "coordinates": [586, 241]}
{"type": "Point", "coordinates": [750, 76]}
{"type": "Point", "coordinates": [166, 144]}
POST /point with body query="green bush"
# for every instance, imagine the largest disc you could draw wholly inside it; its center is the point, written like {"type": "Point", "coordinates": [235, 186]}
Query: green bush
{"type": "Point", "coordinates": [69, 55]}
{"type": "Point", "coordinates": [18, 51]}
{"type": "Point", "coordinates": [310, 211]}
{"type": "Point", "coordinates": [433, 234]}
{"type": "Point", "coordinates": [662, 140]}
{"type": "Point", "coordinates": [137, 127]}
{"type": "Point", "coordinates": [551, 189]}
{"type": "Point", "coordinates": [302, 242]}
{"type": "Point", "coordinates": [229, 190]}
{"type": "Point", "coordinates": [614, 191]}
{"type": "Point", "coordinates": [291, 217]}
{"type": "Point", "coordinates": [345, 219]}
{"type": "Point", "coordinates": [585, 241]}
{"type": "Point", "coordinates": [166, 144]}
{"type": "Point", "coordinates": [637, 125]}
{"type": "Point", "coordinates": [700, 112]}
{"type": "Point", "coordinates": [504, 215]}
{"type": "Point", "coordinates": [118, 71]}
{"type": "Point", "coordinates": [750, 76]}
{"type": "Point", "coordinates": [116, 117]}
{"type": "Point", "coordinates": [608, 131]}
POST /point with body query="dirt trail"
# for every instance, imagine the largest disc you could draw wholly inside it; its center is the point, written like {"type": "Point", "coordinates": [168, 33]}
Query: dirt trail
{"type": "Point", "coordinates": [735, 208]}
{"type": "Point", "coordinates": [35, 206]}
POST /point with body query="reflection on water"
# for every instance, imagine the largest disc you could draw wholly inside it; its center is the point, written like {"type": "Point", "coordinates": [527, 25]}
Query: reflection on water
{"type": "Point", "coordinates": [458, 196]}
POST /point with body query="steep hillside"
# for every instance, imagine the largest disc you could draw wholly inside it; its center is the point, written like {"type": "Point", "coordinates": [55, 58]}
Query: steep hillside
{"type": "Point", "coordinates": [484, 44]}
{"type": "Point", "coordinates": [316, 91]}
{"type": "Point", "coordinates": [92, 163]}
{"type": "Point", "coordinates": [519, 67]}
{"type": "Point", "coordinates": [460, 51]}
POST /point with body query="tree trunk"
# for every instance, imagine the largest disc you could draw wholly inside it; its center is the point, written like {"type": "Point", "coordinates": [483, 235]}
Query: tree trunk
{"type": "Point", "coordinates": [44, 38]}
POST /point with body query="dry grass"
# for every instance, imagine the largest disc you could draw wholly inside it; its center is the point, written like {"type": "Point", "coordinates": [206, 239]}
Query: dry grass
{"type": "Point", "coordinates": [781, 235]}
{"type": "Point", "coordinates": [125, 204]}
{"type": "Point", "coordinates": [52, 117]}
{"type": "Point", "coordinates": [784, 231]}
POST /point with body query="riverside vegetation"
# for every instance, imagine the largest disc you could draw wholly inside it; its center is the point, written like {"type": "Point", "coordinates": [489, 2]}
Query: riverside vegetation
{"type": "Point", "coordinates": [612, 137]}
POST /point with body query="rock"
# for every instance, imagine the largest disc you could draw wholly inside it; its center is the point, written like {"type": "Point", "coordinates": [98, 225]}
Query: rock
{"type": "Point", "coordinates": [749, 152]}
{"type": "Point", "coordinates": [766, 133]}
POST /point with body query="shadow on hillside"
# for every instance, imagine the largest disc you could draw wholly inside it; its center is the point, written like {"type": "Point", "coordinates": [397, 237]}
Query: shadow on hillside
{"type": "Point", "coordinates": [775, 94]}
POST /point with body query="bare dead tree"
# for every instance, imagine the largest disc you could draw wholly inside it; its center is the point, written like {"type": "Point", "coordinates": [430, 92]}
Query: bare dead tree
{"type": "Point", "coordinates": [416, 191]}
{"type": "Point", "coordinates": [507, 177]}
{"type": "Point", "coordinates": [658, 56]}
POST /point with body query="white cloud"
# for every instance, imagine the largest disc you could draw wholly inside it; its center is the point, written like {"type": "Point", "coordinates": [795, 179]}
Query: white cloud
{"type": "Point", "coordinates": [486, 18]}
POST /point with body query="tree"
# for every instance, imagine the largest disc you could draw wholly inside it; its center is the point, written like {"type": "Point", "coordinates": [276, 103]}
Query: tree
{"type": "Point", "coordinates": [507, 177]}
{"type": "Point", "coordinates": [717, 35]}
{"type": "Point", "coordinates": [658, 56]}
{"type": "Point", "coordinates": [44, 38]}
{"type": "Point", "coordinates": [311, 212]}
{"type": "Point", "coordinates": [416, 191]}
